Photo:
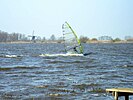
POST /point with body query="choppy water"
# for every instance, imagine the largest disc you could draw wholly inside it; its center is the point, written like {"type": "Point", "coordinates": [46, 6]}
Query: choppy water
{"type": "Point", "coordinates": [31, 77]}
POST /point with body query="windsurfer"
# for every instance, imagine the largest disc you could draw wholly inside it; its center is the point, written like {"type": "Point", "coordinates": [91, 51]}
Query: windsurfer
{"type": "Point", "coordinates": [75, 49]}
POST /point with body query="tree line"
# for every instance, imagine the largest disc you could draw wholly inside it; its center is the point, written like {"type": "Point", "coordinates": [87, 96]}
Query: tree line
{"type": "Point", "coordinates": [14, 37]}
{"type": "Point", "coordinates": [6, 37]}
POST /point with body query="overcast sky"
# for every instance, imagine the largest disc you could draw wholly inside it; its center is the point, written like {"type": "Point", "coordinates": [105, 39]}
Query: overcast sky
{"type": "Point", "coordinates": [91, 18]}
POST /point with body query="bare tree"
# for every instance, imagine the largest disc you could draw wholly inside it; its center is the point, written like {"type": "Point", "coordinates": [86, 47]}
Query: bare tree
{"type": "Point", "coordinates": [84, 39]}
{"type": "Point", "coordinates": [3, 36]}
{"type": "Point", "coordinates": [52, 37]}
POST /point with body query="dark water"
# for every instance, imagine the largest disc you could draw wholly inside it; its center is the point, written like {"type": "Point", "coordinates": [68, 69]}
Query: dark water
{"type": "Point", "coordinates": [31, 77]}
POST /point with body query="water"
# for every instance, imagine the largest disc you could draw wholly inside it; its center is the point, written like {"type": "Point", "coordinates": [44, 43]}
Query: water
{"type": "Point", "coordinates": [24, 75]}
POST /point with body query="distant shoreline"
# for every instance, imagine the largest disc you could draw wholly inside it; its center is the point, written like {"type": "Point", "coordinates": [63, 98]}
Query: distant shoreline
{"type": "Point", "coordinates": [90, 42]}
{"type": "Point", "coordinates": [110, 42]}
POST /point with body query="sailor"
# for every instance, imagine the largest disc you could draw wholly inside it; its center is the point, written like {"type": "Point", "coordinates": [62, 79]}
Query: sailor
{"type": "Point", "coordinates": [33, 38]}
{"type": "Point", "coordinates": [75, 49]}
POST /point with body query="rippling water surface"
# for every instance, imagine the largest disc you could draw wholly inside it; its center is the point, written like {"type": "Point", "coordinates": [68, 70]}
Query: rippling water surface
{"type": "Point", "coordinates": [25, 75]}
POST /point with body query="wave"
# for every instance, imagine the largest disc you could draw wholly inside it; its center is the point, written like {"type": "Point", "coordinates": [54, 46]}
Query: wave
{"type": "Point", "coordinates": [10, 56]}
{"type": "Point", "coordinates": [17, 67]}
{"type": "Point", "coordinates": [54, 55]}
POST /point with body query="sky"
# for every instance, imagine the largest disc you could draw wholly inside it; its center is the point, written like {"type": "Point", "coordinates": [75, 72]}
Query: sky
{"type": "Point", "coordinates": [91, 18]}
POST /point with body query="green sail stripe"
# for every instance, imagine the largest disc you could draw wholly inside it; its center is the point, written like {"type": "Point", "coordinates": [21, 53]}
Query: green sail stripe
{"type": "Point", "coordinates": [80, 46]}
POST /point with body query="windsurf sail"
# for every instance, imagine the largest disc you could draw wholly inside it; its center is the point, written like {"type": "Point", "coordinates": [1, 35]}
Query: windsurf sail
{"type": "Point", "coordinates": [71, 41]}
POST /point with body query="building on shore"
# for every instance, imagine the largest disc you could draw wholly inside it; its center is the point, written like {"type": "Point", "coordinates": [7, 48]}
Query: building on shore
{"type": "Point", "coordinates": [105, 39]}
{"type": "Point", "coordinates": [129, 38]}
